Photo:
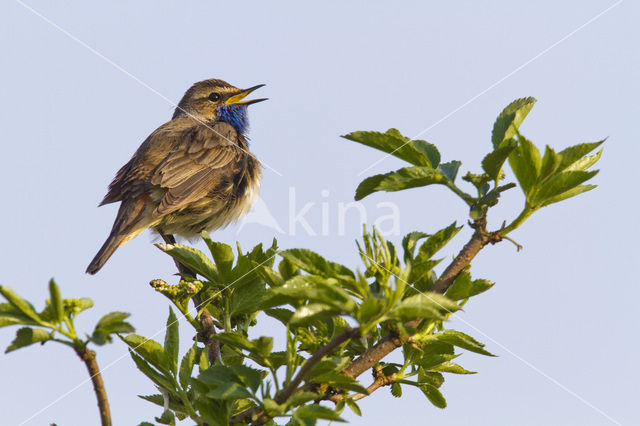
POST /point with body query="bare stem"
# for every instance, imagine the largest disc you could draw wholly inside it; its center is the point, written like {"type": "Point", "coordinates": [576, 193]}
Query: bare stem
{"type": "Point", "coordinates": [89, 359]}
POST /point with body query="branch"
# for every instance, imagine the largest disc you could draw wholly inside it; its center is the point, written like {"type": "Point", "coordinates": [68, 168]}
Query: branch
{"type": "Point", "coordinates": [379, 381]}
{"type": "Point", "coordinates": [208, 326]}
{"type": "Point", "coordinates": [388, 344]}
{"type": "Point", "coordinates": [349, 333]}
{"type": "Point", "coordinates": [291, 388]}
{"type": "Point", "coordinates": [89, 358]}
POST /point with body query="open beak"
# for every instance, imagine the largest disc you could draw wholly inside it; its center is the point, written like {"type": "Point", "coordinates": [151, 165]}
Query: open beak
{"type": "Point", "coordinates": [238, 97]}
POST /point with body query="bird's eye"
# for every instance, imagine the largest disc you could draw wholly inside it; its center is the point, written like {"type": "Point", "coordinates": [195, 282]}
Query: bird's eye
{"type": "Point", "coordinates": [214, 97]}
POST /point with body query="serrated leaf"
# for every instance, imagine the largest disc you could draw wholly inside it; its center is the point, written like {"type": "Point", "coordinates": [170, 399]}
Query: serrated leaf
{"type": "Point", "coordinates": [568, 194]}
{"type": "Point", "coordinates": [408, 177]}
{"type": "Point", "coordinates": [339, 381]}
{"type": "Point", "coordinates": [462, 340]}
{"type": "Point", "coordinates": [222, 255]}
{"type": "Point", "coordinates": [249, 376]}
{"type": "Point", "coordinates": [562, 182]}
{"type": "Point", "coordinates": [313, 263]}
{"type": "Point", "coordinates": [428, 306]}
{"type": "Point", "coordinates": [317, 289]}
{"type": "Point", "coordinates": [19, 303]}
{"type": "Point", "coordinates": [493, 162]}
{"type": "Point", "coordinates": [56, 302]}
{"type": "Point", "coordinates": [451, 367]}
{"type": "Point", "coordinates": [229, 390]}
{"type": "Point", "coordinates": [151, 351]}
{"type": "Point", "coordinates": [450, 169]}
{"type": "Point", "coordinates": [186, 366]}
{"type": "Point", "coordinates": [312, 312]}
{"type": "Point", "coordinates": [463, 287]}
{"type": "Point", "coordinates": [434, 395]}
{"type": "Point", "coordinates": [172, 340]}
{"type": "Point", "coordinates": [526, 163]}
{"type": "Point", "coordinates": [156, 377]}
{"type": "Point", "coordinates": [436, 241]}
{"type": "Point", "coordinates": [111, 323]}
{"type": "Point", "coordinates": [10, 315]}
{"type": "Point", "coordinates": [409, 243]}
{"type": "Point", "coordinates": [316, 411]}
{"type": "Point", "coordinates": [417, 152]}
{"type": "Point", "coordinates": [509, 120]}
{"type": "Point", "coordinates": [354, 407]}
{"type": "Point", "coordinates": [569, 156]}
{"type": "Point", "coordinates": [27, 336]}
{"type": "Point", "coordinates": [192, 259]}
{"type": "Point", "coordinates": [550, 163]}
{"type": "Point", "coordinates": [396, 390]}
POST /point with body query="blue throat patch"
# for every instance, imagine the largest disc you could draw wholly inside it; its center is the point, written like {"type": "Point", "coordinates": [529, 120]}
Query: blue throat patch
{"type": "Point", "coordinates": [236, 115]}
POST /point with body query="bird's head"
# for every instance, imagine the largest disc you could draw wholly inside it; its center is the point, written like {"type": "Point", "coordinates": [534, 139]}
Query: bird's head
{"type": "Point", "coordinates": [212, 100]}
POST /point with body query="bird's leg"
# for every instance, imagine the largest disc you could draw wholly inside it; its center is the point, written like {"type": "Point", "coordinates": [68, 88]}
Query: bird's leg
{"type": "Point", "coordinates": [208, 327]}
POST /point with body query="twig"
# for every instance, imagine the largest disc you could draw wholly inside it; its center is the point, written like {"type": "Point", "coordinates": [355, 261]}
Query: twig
{"type": "Point", "coordinates": [349, 333]}
{"type": "Point", "coordinates": [291, 388]}
{"type": "Point", "coordinates": [89, 359]}
{"type": "Point", "coordinates": [388, 344]}
{"type": "Point", "coordinates": [207, 335]}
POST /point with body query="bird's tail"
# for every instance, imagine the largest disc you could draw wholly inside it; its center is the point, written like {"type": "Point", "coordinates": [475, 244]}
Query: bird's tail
{"type": "Point", "coordinates": [129, 223]}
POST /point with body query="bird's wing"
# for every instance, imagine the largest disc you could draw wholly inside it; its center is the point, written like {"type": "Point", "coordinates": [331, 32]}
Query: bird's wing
{"type": "Point", "coordinates": [197, 165]}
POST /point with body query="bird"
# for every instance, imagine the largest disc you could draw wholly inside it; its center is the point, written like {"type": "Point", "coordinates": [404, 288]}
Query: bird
{"type": "Point", "coordinates": [194, 173]}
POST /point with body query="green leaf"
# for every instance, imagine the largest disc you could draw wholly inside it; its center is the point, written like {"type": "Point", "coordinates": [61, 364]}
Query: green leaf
{"type": "Point", "coordinates": [229, 390]}
{"type": "Point", "coordinates": [316, 411]}
{"type": "Point", "coordinates": [409, 243]}
{"type": "Point", "coordinates": [354, 407]}
{"type": "Point", "coordinates": [56, 302]}
{"type": "Point", "coordinates": [370, 308]}
{"type": "Point", "coordinates": [550, 163]}
{"type": "Point", "coordinates": [526, 163]}
{"type": "Point", "coordinates": [562, 182]}
{"type": "Point", "coordinates": [434, 395]}
{"type": "Point", "coordinates": [27, 336]}
{"type": "Point", "coordinates": [222, 255]}
{"type": "Point", "coordinates": [313, 263]}
{"type": "Point", "coordinates": [493, 162]}
{"type": "Point", "coordinates": [463, 287]}
{"type": "Point", "coordinates": [568, 194]}
{"type": "Point", "coordinates": [192, 259]}
{"type": "Point", "coordinates": [167, 418]}
{"type": "Point", "coordinates": [417, 152]}
{"type": "Point", "coordinates": [171, 341]}
{"type": "Point", "coordinates": [573, 154]}
{"type": "Point", "coordinates": [250, 377]}
{"type": "Point", "coordinates": [186, 365]}
{"type": "Point", "coordinates": [10, 315]}
{"type": "Point", "coordinates": [396, 390]}
{"type": "Point", "coordinates": [317, 289]}
{"type": "Point", "coordinates": [451, 367]}
{"type": "Point", "coordinates": [408, 177]}
{"type": "Point", "coordinates": [436, 241]}
{"type": "Point", "coordinates": [428, 306]}
{"type": "Point", "coordinates": [509, 120]}
{"type": "Point", "coordinates": [111, 323]}
{"type": "Point", "coordinates": [450, 169]}
{"type": "Point", "coordinates": [156, 377]}
{"type": "Point", "coordinates": [340, 381]}
{"type": "Point", "coordinates": [312, 312]}
{"type": "Point", "coordinates": [21, 304]}
{"type": "Point", "coordinates": [151, 351]}
{"type": "Point", "coordinates": [463, 341]}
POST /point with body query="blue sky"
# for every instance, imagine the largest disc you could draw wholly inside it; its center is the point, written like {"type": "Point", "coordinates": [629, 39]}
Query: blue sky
{"type": "Point", "coordinates": [562, 317]}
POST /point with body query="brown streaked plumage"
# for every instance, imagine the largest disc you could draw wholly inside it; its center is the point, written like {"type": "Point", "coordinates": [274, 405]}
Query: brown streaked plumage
{"type": "Point", "coordinates": [193, 173]}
